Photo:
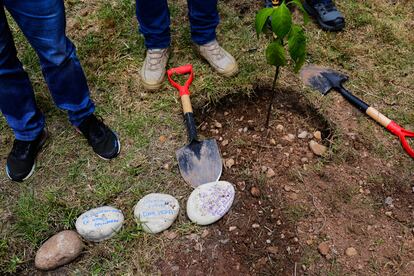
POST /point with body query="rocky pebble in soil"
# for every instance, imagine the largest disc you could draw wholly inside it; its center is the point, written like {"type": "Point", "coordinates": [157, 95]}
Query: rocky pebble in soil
{"type": "Point", "coordinates": [156, 212]}
{"type": "Point", "coordinates": [99, 224]}
{"type": "Point", "coordinates": [59, 250]}
{"type": "Point", "coordinates": [350, 252]}
{"type": "Point", "coordinates": [317, 149]}
{"type": "Point", "coordinates": [210, 202]}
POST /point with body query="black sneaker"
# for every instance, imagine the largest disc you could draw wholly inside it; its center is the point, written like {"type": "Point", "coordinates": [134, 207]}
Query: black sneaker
{"type": "Point", "coordinates": [326, 14]}
{"type": "Point", "coordinates": [21, 160]}
{"type": "Point", "coordinates": [104, 142]}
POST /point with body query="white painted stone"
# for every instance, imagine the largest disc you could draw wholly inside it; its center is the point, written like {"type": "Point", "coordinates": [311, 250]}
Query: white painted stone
{"type": "Point", "coordinates": [210, 202]}
{"type": "Point", "coordinates": [99, 224]}
{"type": "Point", "coordinates": [156, 212]}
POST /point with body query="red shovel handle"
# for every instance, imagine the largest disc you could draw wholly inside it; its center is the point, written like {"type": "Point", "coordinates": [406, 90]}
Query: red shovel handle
{"type": "Point", "coordinates": [182, 70]}
{"type": "Point", "coordinates": [402, 133]}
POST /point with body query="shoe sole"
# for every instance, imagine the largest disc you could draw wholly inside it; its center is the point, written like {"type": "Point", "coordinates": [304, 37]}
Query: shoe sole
{"type": "Point", "coordinates": [42, 144]}
{"type": "Point", "coordinates": [152, 87]}
{"type": "Point", "coordinates": [311, 11]}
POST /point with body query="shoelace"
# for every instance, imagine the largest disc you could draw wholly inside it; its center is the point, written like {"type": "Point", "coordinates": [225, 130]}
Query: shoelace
{"type": "Point", "coordinates": [215, 51]}
{"type": "Point", "coordinates": [21, 148]}
{"type": "Point", "coordinates": [154, 58]}
{"type": "Point", "coordinates": [96, 129]}
{"type": "Point", "coordinates": [326, 6]}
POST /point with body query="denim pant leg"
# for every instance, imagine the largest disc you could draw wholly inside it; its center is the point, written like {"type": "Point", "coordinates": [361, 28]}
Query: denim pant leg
{"type": "Point", "coordinates": [17, 101]}
{"type": "Point", "coordinates": [204, 19]}
{"type": "Point", "coordinates": [154, 23]}
{"type": "Point", "coordinates": [43, 23]}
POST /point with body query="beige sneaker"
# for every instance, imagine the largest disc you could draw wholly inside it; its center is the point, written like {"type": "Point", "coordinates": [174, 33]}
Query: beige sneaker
{"type": "Point", "coordinates": [219, 59]}
{"type": "Point", "coordinates": [153, 69]}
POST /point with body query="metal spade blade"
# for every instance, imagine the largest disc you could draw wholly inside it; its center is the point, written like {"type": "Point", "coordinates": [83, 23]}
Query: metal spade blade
{"type": "Point", "coordinates": [200, 162]}
{"type": "Point", "coordinates": [321, 78]}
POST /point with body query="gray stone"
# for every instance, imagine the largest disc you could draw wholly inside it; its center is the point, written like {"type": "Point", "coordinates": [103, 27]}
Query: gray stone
{"type": "Point", "coordinates": [99, 224]}
{"type": "Point", "coordinates": [59, 250]}
{"type": "Point", "coordinates": [156, 212]}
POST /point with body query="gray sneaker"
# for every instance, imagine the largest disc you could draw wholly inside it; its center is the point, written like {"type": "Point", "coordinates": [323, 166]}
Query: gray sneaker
{"type": "Point", "coordinates": [219, 59]}
{"type": "Point", "coordinates": [153, 69]}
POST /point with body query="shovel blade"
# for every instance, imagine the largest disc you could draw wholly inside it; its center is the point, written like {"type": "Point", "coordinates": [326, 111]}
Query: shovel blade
{"type": "Point", "coordinates": [200, 162]}
{"type": "Point", "coordinates": [321, 78]}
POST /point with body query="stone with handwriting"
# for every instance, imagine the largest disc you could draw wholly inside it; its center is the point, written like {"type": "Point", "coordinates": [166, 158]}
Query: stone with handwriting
{"type": "Point", "coordinates": [100, 223]}
{"type": "Point", "coordinates": [156, 212]}
{"type": "Point", "coordinates": [210, 202]}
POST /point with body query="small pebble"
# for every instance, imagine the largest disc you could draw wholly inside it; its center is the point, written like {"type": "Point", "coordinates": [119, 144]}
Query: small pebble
{"type": "Point", "coordinates": [255, 191]}
{"type": "Point", "coordinates": [323, 248]}
{"type": "Point", "coordinates": [350, 251]}
{"type": "Point", "coordinates": [229, 163]}
{"type": "Point", "coordinates": [218, 125]}
{"type": "Point", "coordinates": [279, 128]}
{"type": "Point", "coordinates": [303, 135]}
{"type": "Point", "coordinates": [317, 135]}
{"type": "Point", "coordinates": [270, 173]}
{"type": "Point", "coordinates": [255, 225]}
{"type": "Point", "coordinates": [317, 148]}
{"type": "Point", "coordinates": [232, 228]}
{"type": "Point", "coordinates": [225, 143]}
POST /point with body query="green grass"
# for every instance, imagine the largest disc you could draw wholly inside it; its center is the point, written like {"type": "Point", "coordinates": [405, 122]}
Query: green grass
{"type": "Point", "coordinates": [375, 50]}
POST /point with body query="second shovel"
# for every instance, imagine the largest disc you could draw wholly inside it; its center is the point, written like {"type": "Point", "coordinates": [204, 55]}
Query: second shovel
{"type": "Point", "coordinates": [199, 161]}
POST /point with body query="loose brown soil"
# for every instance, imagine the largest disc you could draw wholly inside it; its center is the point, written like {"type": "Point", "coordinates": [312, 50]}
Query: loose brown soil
{"type": "Point", "coordinates": [277, 222]}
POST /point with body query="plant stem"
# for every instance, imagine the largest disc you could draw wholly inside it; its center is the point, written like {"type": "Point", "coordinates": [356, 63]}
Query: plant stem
{"type": "Point", "coordinates": [269, 110]}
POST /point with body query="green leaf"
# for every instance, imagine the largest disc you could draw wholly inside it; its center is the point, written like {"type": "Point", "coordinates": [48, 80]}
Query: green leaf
{"type": "Point", "coordinates": [299, 4]}
{"type": "Point", "coordinates": [281, 21]}
{"type": "Point", "coordinates": [261, 18]}
{"type": "Point", "coordinates": [297, 46]}
{"type": "Point", "coordinates": [275, 54]}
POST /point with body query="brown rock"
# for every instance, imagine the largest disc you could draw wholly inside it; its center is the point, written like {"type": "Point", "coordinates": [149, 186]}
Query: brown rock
{"type": "Point", "coordinates": [272, 250]}
{"type": "Point", "coordinates": [225, 143]}
{"type": "Point", "coordinates": [229, 163]}
{"type": "Point", "coordinates": [350, 252]}
{"type": "Point", "coordinates": [317, 135]}
{"type": "Point", "coordinates": [162, 139]}
{"type": "Point", "coordinates": [59, 250]}
{"type": "Point", "coordinates": [270, 173]}
{"type": "Point", "coordinates": [323, 248]}
{"type": "Point", "coordinates": [170, 235]}
{"type": "Point", "coordinates": [255, 191]}
{"type": "Point", "coordinates": [317, 148]}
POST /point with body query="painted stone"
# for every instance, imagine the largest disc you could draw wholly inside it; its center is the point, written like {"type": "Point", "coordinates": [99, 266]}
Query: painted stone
{"type": "Point", "coordinates": [210, 202]}
{"type": "Point", "coordinates": [100, 223]}
{"type": "Point", "coordinates": [156, 212]}
{"type": "Point", "coordinates": [59, 250]}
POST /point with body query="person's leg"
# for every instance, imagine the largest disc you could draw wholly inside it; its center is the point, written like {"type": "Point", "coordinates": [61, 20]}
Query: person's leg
{"type": "Point", "coordinates": [43, 24]}
{"type": "Point", "coordinates": [326, 14]}
{"type": "Point", "coordinates": [154, 24]}
{"type": "Point", "coordinates": [204, 19]}
{"type": "Point", "coordinates": [17, 101]}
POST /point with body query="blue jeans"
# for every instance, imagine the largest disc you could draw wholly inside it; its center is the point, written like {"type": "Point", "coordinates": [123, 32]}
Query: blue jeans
{"type": "Point", "coordinates": [154, 20]}
{"type": "Point", "coordinates": [43, 24]}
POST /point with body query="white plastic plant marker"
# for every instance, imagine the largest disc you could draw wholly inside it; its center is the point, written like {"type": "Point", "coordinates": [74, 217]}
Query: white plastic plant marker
{"type": "Point", "coordinates": [210, 202]}
{"type": "Point", "coordinates": [99, 224]}
{"type": "Point", "coordinates": [156, 212]}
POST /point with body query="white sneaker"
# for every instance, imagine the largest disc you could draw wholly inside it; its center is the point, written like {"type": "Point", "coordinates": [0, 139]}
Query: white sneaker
{"type": "Point", "coordinates": [223, 62]}
{"type": "Point", "coordinates": [153, 69]}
